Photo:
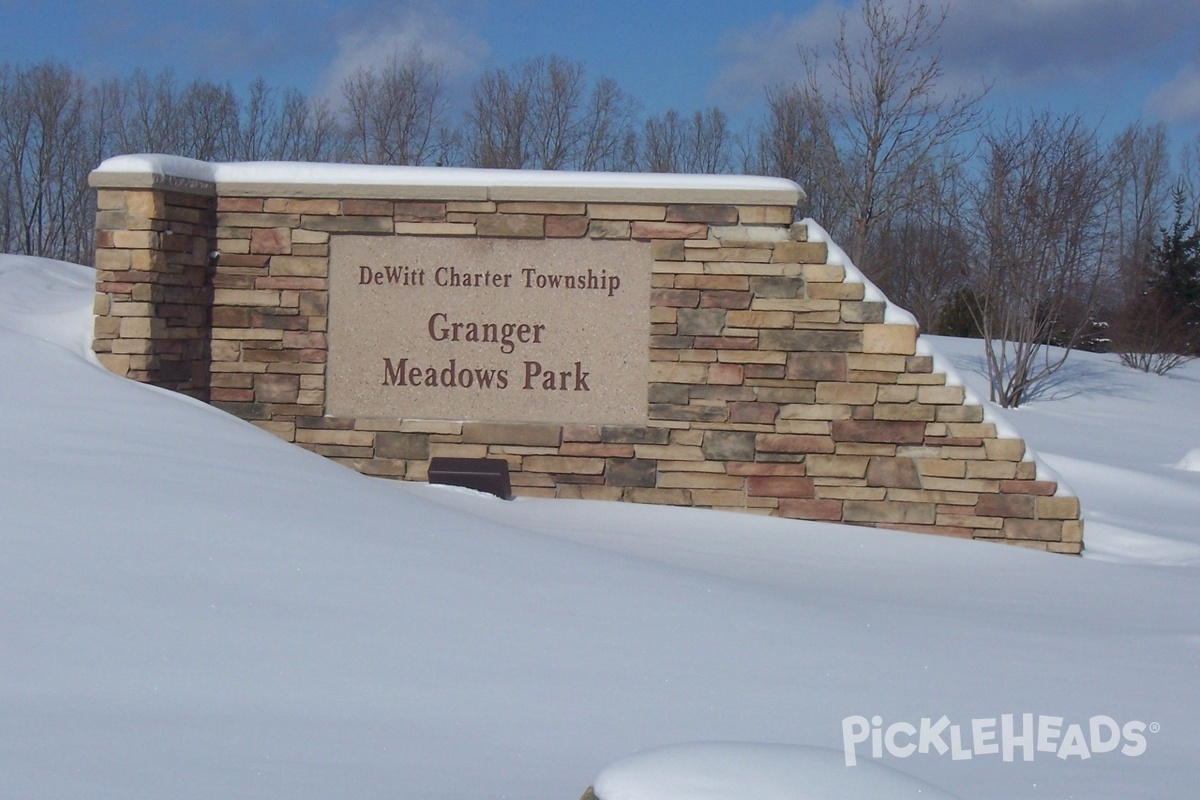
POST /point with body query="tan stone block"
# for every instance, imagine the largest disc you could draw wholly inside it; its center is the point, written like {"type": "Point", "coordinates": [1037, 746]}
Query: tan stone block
{"type": "Point", "coordinates": [145, 204]}
{"type": "Point", "coordinates": [564, 464]}
{"type": "Point", "coordinates": [875, 362]}
{"type": "Point", "coordinates": [757, 357]}
{"type": "Point", "coordinates": [802, 253]}
{"type": "Point", "coordinates": [110, 200]}
{"type": "Point", "coordinates": [435, 228]}
{"type": "Point", "coordinates": [133, 346]}
{"type": "Point", "coordinates": [671, 452]}
{"type": "Point", "coordinates": [116, 363]}
{"type": "Point", "coordinates": [747, 255]}
{"type": "Point", "coordinates": [691, 466]}
{"type": "Point", "coordinates": [766, 215]}
{"type": "Point", "coordinates": [970, 521]}
{"type": "Point", "coordinates": [518, 226]}
{"type": "Point", "coordinates": [842, 292]}
{"type": "Point", "coordinates": [668, 230]}
{"type": "Point", "coordinates": [529, 434]}
{"type": "Point", "coordinates": [109, 327]}
{"type": "Point", "coordinates": [941, 468]}
{"type": "Point", "coordinates": [1005, 449]}
{"type": "Point", "coordinates": [911, 379]}
{"type": "Point", "coordinates": [897, 513]}
{"type": "Point", "coordinates": [846, 393]}
{"type": "Point", "coordinates": [287, 205]}
{"type": "Point", "coordinates": [897, 394]}
{"type": "Point", "coordinates": [961, 485]}
{"type": "Point", "coordinates": [804, 411]}
{"type": "Point", "coordinates": [114, 260]}
{"type": "Point", "coordinates": [944, 395]}
{"type": "Point", "coordinates": [301, 236]}
{"type": "Point", "coordinates": [245, 297]}
{"type": "Point", "coordinates": [457, 450]}
{"type": "Point", "coordinates": [890, 339]}
{"type": "Point", "coordinates": [626, 211]}
{"type": "Point", "coordinates": [1038, 530]}
{"type": "Point", "coordinates": [673, 372]}
{"type": "Point", "coordinates": [948, 502]}
{"type": "Point", "coordinates": [718, 498]}
{"type": "Point", "coordinates": [135, 327]}
{"type": "Point", "coordinates": [894, 472]}
{"type": "Point", "coordinates": [123, 309]}
{"type": "Point", "coordinates": [136, 240]}
{"type": "Point", "coordinates": [996, 470]}
{"type": "Point", "coordinates": [760, 319]}
{"type": "Point", "coordinates": [836, 466]}
{"type": "Point", "coordinates": [904, 411]}
{"type": "Point", "coordinates": [1061, 507]}
{"type": "Point", "coordinates": [823, 273]}
{"type": "Point", "coordinates": [335, 437]}
{"type": "Point", "coordinates": [299, 266]}
{"type": "Point", "coordinates": [663, 497]}
{"type": "Point", "coordinates": [609, 229]}
{"type": "Point", "coordinates": [700, 480]}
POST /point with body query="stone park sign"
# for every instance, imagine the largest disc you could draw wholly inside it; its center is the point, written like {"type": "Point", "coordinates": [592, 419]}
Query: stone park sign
{"type": "Point", "coordinates": [649, 338]}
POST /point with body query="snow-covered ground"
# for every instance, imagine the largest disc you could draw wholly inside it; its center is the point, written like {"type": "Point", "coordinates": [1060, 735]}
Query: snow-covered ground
{"type": "Point", "coordinates": [190, 608]}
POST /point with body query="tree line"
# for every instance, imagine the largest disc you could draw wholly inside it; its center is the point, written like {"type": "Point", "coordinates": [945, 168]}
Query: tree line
{"type": "Point", "coordinates": [1030, 230]}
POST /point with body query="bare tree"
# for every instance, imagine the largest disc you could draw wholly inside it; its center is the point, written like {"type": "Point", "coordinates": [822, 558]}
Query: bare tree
{"type": "Point", "coordinates": [44, 160]}
{"type": "Point", "coordinates": [698, 144]}
{"type": "Point", "coordinates": [609, 139]}
{"type": "Point", "coordinates": [305, 130]}
{"type": "Point", "coordinates": [878, 114]}
{"type": "Point", "coordinates": [539, 114]}
{"type": "Point", "coordinates": [499, 123]}
{"type": "Point", "coordinates": [1040, 225]}
{"type": "Point", "coordinates": [921, 258]}
{"type": "Point", "coordinates": [393, 116]}
{"type": "Point", "coordinates": [555, 97]}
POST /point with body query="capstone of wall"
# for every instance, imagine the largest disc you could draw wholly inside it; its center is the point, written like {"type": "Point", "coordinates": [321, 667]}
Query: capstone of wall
{"type": "Point", "coordinates": [775, 382]}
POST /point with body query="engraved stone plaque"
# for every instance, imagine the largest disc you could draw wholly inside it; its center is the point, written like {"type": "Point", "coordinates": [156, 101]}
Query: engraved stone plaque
{"type": "Point", "coordinates": [488, 329]}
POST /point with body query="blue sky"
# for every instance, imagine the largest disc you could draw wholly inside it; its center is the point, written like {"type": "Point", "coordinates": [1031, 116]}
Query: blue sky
{"type": "Point", "coordinates": [1116, 60]}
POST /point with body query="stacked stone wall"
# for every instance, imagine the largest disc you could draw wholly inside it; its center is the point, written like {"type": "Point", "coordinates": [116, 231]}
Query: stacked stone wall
{"type": "Point", "coordinates": [776, 387]}
{"type": "Point", "coordinates": [154, 294]}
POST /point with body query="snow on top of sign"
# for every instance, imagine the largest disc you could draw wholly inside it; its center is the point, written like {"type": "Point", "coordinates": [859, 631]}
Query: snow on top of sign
{"type": "Point", "coordinates": [288, 172]}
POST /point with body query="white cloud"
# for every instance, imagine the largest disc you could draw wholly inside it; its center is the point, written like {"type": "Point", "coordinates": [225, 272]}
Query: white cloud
{"type": "Point", "coordinates": [1178, 100]}
{"type": "Point", "coordinates": [1023, 44]}
{"type": "Point", "coordinates": [440, 38]}
{"type": "Point", "coordinates": [768, 54]}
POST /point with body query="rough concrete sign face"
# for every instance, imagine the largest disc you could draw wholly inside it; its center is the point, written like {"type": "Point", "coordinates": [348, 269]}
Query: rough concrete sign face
{"type": "Point", "coordinates": [488, 329]}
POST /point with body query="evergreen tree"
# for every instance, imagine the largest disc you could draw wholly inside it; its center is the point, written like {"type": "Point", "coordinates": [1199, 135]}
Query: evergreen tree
{"type": "Point", "coordinates": [1175, 282]}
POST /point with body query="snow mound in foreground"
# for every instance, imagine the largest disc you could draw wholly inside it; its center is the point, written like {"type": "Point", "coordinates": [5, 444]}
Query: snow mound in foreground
{"type": "Point", "coordinates": [752, 771]}
{"type": "Point", "coordinates": [1190, 462]}
{"type": "Point", "coordinates": [48, 300]}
